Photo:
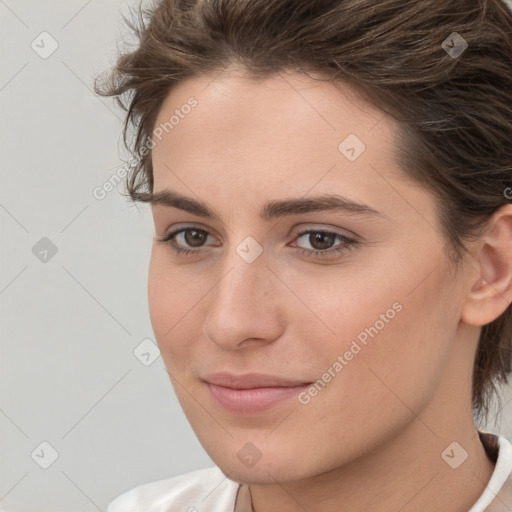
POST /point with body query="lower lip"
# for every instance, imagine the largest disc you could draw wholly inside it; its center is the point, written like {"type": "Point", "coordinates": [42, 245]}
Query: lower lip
{"type": "Point", "coordinates": [251, 401]}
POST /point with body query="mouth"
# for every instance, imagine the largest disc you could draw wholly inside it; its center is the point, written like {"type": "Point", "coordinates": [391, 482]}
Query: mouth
{"type": "Point", "coordinates": [251, 393]}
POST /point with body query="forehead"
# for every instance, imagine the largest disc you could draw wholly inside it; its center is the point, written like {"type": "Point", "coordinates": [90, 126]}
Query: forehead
{"type": "Point", "coordinates": [273, 106]}
{"type": "Point", "coordinates": [287, 132]}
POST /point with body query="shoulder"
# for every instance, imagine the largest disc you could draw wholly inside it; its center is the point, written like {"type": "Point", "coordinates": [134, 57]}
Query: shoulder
{"type": "Point", "coordinates": [503, 498]}
{"type": "Point", "coordinates": [204, 490]}
{"type": "Point", "coordinates": [497, 497]}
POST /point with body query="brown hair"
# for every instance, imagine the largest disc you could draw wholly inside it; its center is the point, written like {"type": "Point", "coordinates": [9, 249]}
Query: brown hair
{"type": "Point", "coordinates": [455, 111]}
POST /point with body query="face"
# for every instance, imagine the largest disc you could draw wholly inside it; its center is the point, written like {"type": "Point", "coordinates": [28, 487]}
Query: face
{"type": "Point", "coordinates": [289, 329]}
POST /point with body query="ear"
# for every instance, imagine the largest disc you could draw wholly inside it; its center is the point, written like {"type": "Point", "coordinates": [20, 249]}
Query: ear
{"type": "Point", "coordinates": [491, 292]}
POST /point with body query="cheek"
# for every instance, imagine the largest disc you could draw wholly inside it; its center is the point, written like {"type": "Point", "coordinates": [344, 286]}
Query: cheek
{"type": "Point", "coordinates": [158, 296]}
{"type": "Point", "coordinates": [167, 301]}
{"type": "Point", "coordinates": [175, 300]}
{"type": "Point", "coordinates": [381, 338]}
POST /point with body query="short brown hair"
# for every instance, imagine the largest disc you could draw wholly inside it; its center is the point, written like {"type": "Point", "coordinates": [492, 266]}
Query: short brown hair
{"type": "Point", "coordinates": [455, 111]}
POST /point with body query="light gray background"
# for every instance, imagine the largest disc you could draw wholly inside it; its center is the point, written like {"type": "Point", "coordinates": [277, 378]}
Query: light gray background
{"type": "Point", "coordinates": [70, 325]}
{"type": "Point", "coordinates": [68, 375]}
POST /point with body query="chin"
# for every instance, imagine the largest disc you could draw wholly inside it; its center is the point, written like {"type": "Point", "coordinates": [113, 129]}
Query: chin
{"type": "Point", "coordinates": [258, 475]}
{"type": "Point", "coordinates": [264, 471]}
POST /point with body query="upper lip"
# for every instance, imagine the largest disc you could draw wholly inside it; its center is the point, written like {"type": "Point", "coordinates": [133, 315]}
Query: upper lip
{"type": "Point", "coordinates": [251, 380]}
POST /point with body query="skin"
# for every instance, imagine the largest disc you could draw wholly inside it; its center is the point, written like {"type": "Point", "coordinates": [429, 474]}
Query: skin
{"type": "Point", "coordinates": [372, 439]}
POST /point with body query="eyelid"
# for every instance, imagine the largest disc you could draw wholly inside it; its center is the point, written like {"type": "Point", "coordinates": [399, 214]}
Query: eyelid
{"type": "Point", "coordinates": [330, 229]}
{"type": "Point", "coordinates": [181, 226]}
{"type": "Point", "coordinates": [296, 231]}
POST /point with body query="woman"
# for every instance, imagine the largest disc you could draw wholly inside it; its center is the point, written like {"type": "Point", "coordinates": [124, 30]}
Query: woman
{"type": "Point", "coordinates": [330, 284]}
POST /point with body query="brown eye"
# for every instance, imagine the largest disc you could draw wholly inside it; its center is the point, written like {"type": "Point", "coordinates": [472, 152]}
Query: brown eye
{"type": "Point", "coordinates": [194, 237]}
{"type": "Point", "coordinates": [189, 238]}
{"type": "Point", "coordinates": [188, 241]}
{"type": "Point", "coordinates": [321, 241]}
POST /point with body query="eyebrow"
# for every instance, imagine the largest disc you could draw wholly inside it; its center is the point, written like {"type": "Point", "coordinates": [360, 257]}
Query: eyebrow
{"type": "Point", "coordinates": [272, 209]}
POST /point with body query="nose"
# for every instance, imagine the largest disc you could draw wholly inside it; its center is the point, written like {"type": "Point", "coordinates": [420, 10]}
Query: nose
{"type": "Point", "coordinates": [243, 308]}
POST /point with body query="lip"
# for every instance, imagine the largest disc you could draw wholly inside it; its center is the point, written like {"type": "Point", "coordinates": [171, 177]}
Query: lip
{"type": "Point", "coordinates": [251, 393]}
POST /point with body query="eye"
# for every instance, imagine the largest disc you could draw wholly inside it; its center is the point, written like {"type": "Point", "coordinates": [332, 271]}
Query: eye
{"type": "Point", "coordinates": [191, 235]}
{"type": "Point", "coordinates": [192, 238]}
{"type": "Point", "coordinates": [323, 238]}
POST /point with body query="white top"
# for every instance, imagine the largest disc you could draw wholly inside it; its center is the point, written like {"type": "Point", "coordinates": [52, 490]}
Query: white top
{"type": "Point", "coordinates": [209, 490]}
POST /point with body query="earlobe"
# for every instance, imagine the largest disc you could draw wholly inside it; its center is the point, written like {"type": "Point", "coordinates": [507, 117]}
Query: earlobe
{"type": "Point", "coordinates": [491, 292]}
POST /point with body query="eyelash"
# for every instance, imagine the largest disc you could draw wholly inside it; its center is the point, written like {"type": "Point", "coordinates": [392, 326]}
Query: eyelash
{"type": "Point", "coordinates": [347, 245]}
